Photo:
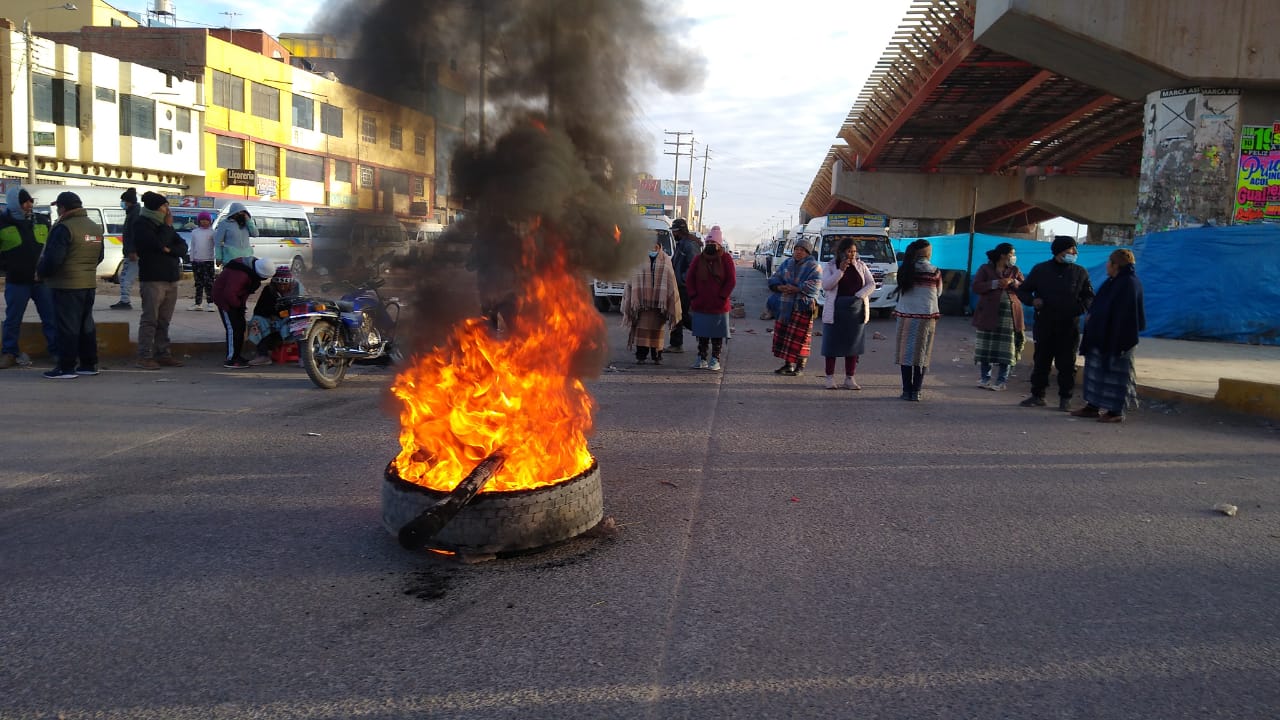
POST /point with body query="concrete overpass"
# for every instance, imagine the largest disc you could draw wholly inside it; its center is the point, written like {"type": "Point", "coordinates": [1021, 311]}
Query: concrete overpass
{"type": "Point", "coordinates": [1121, 114]}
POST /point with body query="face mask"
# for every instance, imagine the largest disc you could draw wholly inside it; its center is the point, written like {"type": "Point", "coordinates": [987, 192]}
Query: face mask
{"type": "Point", "coordinates": [1013, 259]}
{"type": "Point", "coordinates": [653, 254]}
{"type": "Point", "coordinates": [711, 250]}
{"type": "Point", "coordinates": [1069, 259]}
{"type": "Point", "coordinates": [124, 205]}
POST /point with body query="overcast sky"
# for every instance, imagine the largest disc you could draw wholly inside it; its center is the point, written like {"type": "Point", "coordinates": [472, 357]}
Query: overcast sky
{"type": "Point", "coordinates": [781, 78]}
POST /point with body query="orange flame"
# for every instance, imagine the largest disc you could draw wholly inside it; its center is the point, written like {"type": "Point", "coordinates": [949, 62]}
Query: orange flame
{"type": "Point", "coordinates": [482, 392]}
{"type": "Point", "coordinates": [617, 234]}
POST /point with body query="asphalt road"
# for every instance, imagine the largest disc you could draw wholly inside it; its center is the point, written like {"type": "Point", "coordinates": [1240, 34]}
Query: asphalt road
{"type": "Point", "coordinates": [202, 543]}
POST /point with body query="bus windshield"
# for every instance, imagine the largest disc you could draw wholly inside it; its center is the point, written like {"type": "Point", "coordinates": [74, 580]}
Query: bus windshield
{"type": "Point", "coordinates": [871, 248]}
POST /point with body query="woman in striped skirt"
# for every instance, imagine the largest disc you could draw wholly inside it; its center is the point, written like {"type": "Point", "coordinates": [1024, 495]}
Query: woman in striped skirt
{"type": "Point", "coordinates": [998, 317]}
{"type": "Point", "coordinates": [796, 281]}
{"type": "Point", "coordinates": [919, 285]}
{"type": "Point", "coordinates": [1110, 335]}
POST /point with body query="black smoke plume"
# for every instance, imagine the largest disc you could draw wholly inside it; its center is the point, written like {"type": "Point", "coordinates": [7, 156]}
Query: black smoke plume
{"type": "Point", "coordinates": [558, 142]}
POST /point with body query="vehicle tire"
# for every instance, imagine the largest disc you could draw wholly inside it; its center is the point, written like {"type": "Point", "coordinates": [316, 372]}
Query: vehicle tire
{"type": "Point", "coordinates": [324, 371]}
{"type": "Point", "coordinates": [602, 304]}
{"type": "Point", "coordinates": [297, 266]}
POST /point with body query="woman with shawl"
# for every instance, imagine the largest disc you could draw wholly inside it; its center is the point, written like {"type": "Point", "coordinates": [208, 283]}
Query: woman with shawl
{"type": "Point", "coordinates": [650, 303]}
{"type": "Point", "coordinates": [710, 281]}
{"type": "Point", "coordinates": [796, 281]}
{"type": "Point", "coordinates": [998, 317]}
{"type": "Point", "coordinates": [1110, 335]}
{"type": "Point", "coordinates": [919, 285]}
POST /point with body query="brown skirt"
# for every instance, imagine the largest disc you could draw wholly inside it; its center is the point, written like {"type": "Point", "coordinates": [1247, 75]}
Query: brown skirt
{"type": "Point", "coordinates": [649, 330]}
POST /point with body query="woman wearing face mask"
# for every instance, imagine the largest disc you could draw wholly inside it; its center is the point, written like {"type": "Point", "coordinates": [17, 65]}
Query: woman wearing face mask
{"type": "Point", "coordinates": [710, 281]}
{"type": "Point", "coordinates": [796, 281]}
{"type": "Point", "coordinates": [1110, 335]}
{"type": "Point", "coordinates": [231, 239]}
{"type": "Point", "coordinates": [919, 285]}
{"type": "Point", "coordinates": [650, 303]}
{"type": "Point", "coordinates": [998, 317]}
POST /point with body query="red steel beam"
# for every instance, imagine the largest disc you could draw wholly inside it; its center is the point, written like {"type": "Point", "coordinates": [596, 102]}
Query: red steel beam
{"type": "Point", "coordinates": [919, 98]}
{"type": "Point", "coordinates": [1100, 148]}
{"type": "Point", "coordinates": [1009, 101]}
{"type": "Point", "coordinates": [1049, 131]}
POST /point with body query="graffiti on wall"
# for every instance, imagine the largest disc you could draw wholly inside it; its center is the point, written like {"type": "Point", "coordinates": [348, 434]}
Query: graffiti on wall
{"type": "Point", "coordinates": [1257, 196]}
{"type": "Point", "coordinates": [1187, 175]}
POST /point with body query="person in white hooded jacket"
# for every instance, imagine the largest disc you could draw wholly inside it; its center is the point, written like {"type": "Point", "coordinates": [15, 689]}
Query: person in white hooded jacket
{"type": "Point", "coordinates": [231, 239]}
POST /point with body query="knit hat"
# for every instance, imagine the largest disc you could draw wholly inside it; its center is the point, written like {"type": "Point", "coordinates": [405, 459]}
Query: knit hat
{"type": "Point", "coordinates": [204, 216]}
{"type": "Point", "coordinates": [679, 224]}
{"type": "Point", "coordinates": [284, 274]}
{"type": "Point", "coordinates": [129, 196]}
{"type": "Point", "coordinates": [24, 196]}
{"type": "Point", "coordinates": [1061, 243]}
{"type": "Point", "coordinates": [68, 200]}
{"type": "Point", "coordinates": [262, 268]}
{"type": "Point", "coordinates": [153, 201]}
{"type": "Point", "coordinates": [803, 243]}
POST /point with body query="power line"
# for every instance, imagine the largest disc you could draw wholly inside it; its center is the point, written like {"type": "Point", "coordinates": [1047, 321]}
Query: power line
{"type": "Point", "coordinates": [678, 153]}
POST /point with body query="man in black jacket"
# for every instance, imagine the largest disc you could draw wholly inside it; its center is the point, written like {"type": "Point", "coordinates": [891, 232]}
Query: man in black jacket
{"type": "Point", "coordinates": [686, 251]}
{"type": "Point", "coordinates": [1060, 292]}
{"type": "Point", "coordinates": [22, 238]}
{"type": "Point", "coordinates": [160, 252]}
{"type": "Point", "coordinates": [129, 265]}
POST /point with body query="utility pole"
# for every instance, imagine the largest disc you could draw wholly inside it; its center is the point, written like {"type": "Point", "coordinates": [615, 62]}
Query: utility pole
{"type": "Point", "coordinates": [702, 201]}
{"type": "Point", "coordinates": [688, 197]}
{"type": "Point", "coordinates": [231, 20]}
{"type": "Point", "coordinates": [675, 186]}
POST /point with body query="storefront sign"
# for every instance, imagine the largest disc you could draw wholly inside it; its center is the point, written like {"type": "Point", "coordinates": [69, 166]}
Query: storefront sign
{"type": "Point", "coordinates": [1258, 181]}
{"type": "Point", "coordinates": [247, 178]}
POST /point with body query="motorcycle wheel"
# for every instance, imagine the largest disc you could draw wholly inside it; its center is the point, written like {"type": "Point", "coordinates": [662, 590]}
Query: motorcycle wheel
{"type": "Point", "coordinates": [324, 371]}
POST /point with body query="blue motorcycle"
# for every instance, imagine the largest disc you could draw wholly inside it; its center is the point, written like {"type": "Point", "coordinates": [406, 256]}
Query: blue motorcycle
{"type": "Point", "coordinates": [335, 333]}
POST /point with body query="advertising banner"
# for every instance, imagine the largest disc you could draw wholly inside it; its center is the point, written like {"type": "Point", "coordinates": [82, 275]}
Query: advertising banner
{"type": "Point", "coordinates": [1258, 182]}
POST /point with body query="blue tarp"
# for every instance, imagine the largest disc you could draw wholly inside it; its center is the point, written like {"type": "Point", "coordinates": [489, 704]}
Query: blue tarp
{"type": "Point", "coordinates": [1212, 283]}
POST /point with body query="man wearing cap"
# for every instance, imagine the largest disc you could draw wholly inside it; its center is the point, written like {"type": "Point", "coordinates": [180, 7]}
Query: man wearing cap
{"type": "Point", "coordinates": [128, 268]}
{"type": "Point", "coordinates": [69, 266]}
{"type": "Point", "coordinates": [686, 252]}
{"type": "Point", "coordinates": [1060, 292]}
{"type": "Point", "coordinates": [160, 251]}
{"type": "Point", "coordinates": [22, 238]}
{"type": "Point", "coordinates": [239, 279]}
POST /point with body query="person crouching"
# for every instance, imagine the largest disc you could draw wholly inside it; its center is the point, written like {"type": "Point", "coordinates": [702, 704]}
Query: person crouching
{"type": "Point", "coordinates": [239, 279]}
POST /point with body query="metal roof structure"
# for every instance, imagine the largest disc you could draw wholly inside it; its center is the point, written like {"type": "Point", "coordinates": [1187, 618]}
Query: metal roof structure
{"type": "Point", "coordinates": [938, 102]}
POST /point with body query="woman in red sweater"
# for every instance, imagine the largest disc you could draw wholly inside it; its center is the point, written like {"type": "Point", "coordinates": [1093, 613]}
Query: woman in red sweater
{"type": "Point", "coordinates": [710, 281]}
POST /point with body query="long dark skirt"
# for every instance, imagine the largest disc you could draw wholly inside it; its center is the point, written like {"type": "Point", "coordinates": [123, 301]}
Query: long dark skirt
{"type": "Point", "coordinates": [1110, 381]}
{"type": "Point", "coordinates": [846, 337]}
{"type": "Point", "coordinates": [792, 339]}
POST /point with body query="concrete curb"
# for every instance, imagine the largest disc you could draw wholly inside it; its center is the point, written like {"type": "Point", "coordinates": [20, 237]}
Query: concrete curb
{"type": "Point", "coordinates": [113, 342]}
{"type": "Point", "coordinates": [1251, 398]}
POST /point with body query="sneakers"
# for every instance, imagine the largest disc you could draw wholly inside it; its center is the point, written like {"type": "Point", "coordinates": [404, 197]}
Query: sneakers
{"type": "Point", "coordinates": [122, 305]}
{"type": "Point", "coordinates": [1088, 411]}
{"type": "Point", "coordinates": [211, 308]}
{"type": "Point", "coordinates": [169, 361]}
{"type": "Point", "coordinates": [714, 365]}
{"type": "Point", "coordinates": [999, 387]}
{"type": "Point", "coordinates": [785, 367]}
{"type": "Point", "coordinates": [1064, 404]}
{"type": "Point", "coordinates": [1033, 401]}
{"type": "Point", "coordinates": [985, 383]}
{"type": "Point", "coordinates": [87, 370]}
{"type": "Point", "coordinates": [850, 383]}
{"type": "Point", "coordinates": [235, 364]}
{"type": "Point", "coordinates": [8, 360]}
{"type": "Point", "coordinates": [197, 307]}
{"type": "Point", "coordinates": [699, 364]}
{"type": "Point", "coordinates": [831, 382]}
{"type": "Point", "coordinates": [259, 360]}
{"type": "Point", "coordinates": [147, 364]}
{"type": "Point", "coordinates": [56, 374]}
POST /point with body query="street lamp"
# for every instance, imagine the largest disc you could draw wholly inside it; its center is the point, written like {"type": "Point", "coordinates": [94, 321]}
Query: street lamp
{"type": "Point", "coordinates": [31, 94]}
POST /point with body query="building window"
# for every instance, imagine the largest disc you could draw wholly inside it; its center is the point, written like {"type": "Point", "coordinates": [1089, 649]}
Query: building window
{"type": "Point", "coordinates": [184, 120]}
{"type": "Point", "coordinates": [366, 176]}
{"type": "Point", "coordinates": [56, 100]}
{"type": "Point", "coordinates": [228, 91]}
{"type": "Point", "coordinates": [396, 182]}
{"type": "Point", "coordinates": [266, 159]}
{"type": "Point", "coordinates": [137, 117]}
{"type": "Point", "coordinates": [419, 186]}
{"type": "Point", "coordinates": [330, 120]}
{"type": "Point", "coordinates": [266, 101]}
{"type": "Point", "coordinates": [369, 129]}
{"type": "Point", "coordinates": [341, 171]}
{"type": "Point", "coordinates": [303, 166]}
{"type": "Point", "coordinates": [104, 94]}
{"type": "Point", "coordinates": [230, 153]}
{"type": "Point", "coordinates": [397, 137]}
{"type": "Point", "coordinates": [419, 144]}
{"type": "Point", "coordinates": [304, 112]}
{"type": "Point", "coordinates": [166, 142]}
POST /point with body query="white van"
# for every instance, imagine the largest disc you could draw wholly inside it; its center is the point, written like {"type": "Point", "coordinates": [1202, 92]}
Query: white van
{"type": "Point", "coordinates": [871, 234]}
{"type": "Point", "coordinates": [609, 294]}
{"type": "Point", "coordinates": [362, 242]}
{"type": "Point", "coordinates": [102, 205]}
{"type": "Point", "coordinates": [278, 231]}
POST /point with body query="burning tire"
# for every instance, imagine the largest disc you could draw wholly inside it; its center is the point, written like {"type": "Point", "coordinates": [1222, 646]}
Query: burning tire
{"type": "Point", "coordinates": [501, 521]}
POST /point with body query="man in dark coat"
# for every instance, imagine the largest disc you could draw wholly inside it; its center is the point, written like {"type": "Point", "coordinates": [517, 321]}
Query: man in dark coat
{"type": "Point", "coordinates": [129, 266]}
{"type": "Point", "coordinates": [686, 252]}
{"type": "Point", "coordinates": [160, 252]}
{"type": "Point", "coordinates": [22, 239]}
{"type": "Point", "coordinates": [1060, 292]}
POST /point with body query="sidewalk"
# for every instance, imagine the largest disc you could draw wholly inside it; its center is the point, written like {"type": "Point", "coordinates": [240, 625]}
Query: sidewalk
{"type": "Point", "coordinates": [1240, 378]}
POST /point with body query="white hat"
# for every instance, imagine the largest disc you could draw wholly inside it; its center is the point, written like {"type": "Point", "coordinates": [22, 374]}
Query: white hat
{"type": "Point", "coordinates": [263, 268]}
